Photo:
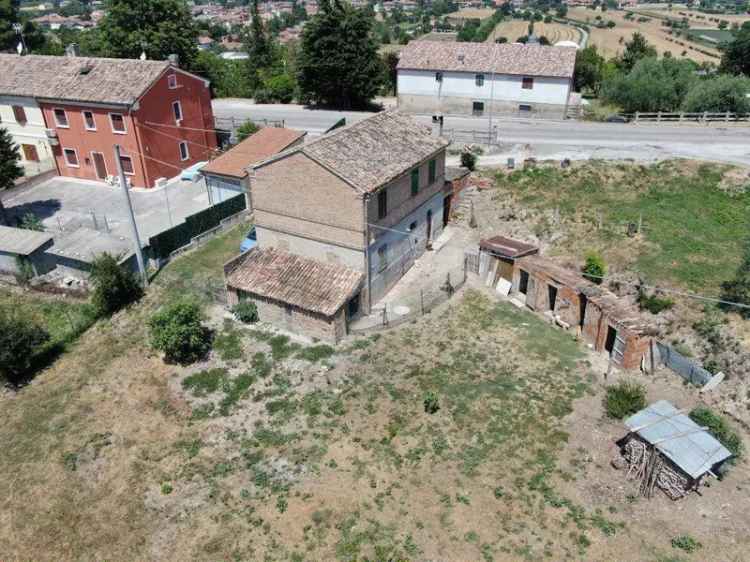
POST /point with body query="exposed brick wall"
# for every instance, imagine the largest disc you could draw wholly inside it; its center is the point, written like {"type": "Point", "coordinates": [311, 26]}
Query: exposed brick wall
{"type": "Point", "coordinates": [295, 320]}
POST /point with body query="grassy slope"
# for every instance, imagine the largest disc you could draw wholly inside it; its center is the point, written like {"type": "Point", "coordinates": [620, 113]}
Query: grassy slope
{"type": "Point", "coordinates": [694, 233]}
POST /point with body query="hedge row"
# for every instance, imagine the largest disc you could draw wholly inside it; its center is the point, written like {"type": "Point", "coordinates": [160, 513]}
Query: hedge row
{"type": "Point", "coordinates": [180, 235]}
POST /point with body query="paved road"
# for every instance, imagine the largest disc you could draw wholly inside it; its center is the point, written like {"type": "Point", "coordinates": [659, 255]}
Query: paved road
{"type": "Point", "coordinates": [550, 139]}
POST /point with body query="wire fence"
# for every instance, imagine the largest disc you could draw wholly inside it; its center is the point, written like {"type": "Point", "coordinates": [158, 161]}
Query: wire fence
{"type": "Point", "coordinates": [400, 308]}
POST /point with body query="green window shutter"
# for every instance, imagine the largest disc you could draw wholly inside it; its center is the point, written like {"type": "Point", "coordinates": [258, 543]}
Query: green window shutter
{"type": "Point", "coordinates": [414, 181]}
{"type": "Point", "coordinates": [433, 171]}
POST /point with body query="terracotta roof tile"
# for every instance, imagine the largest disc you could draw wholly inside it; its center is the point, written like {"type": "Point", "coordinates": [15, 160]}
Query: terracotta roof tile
{"type": "Point", "coordinates": [86, 79]}
{"type": "Point", "coordinates": [372, 152]}
{"type": "Point", "coordinates": [506, 58]}
{"type": "Point", "coordinates": [259, 146]}
{"type": "Point", "coordinates": [306, 283]}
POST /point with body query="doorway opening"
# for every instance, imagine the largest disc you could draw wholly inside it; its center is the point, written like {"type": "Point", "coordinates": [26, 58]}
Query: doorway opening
{"type": "Point", "coordinates": [429, 225]}
{"type": "Point", "coordinates": [447, 209]}
{"type": "Point", "coordinates": [523, 285]}
{"type": "Point", "coordinates": [100, 166]}
{"type": "Point", "coordinates": [609, 344]}
{"type": "Point", "coordinates": [582, 303]}
{"type": "Point", "coordinates": [552, 292]}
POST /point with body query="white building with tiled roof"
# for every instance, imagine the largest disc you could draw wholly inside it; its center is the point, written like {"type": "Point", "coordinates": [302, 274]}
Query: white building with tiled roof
{"type": "Point", "coordinates": [442, 77]}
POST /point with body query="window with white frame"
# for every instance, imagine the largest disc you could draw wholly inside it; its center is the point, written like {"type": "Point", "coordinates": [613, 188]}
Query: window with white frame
{"type": "Point", "coordinates": [61, 118]}
{"type": "Point", "coordinates": [88, 121]}
{"type": "Point", "coordinates": [71, 158]}
{"type": "Point", "coordinates": [184, 153]}
{"type": "Point", "coordinates": [177, 111]}
{"type": "Point", "coordinates": [172, 81]}
{"type": "Point", "coordinates": [118, 123]}
{"type": "Point", "coordinates": [127, 165]}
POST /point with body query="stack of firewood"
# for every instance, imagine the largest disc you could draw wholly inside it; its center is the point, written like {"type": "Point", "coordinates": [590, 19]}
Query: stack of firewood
{"type": "Point", "coordinates": [649, 467]}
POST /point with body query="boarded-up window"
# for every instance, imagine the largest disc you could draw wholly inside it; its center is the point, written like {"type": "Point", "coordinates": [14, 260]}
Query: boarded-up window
{"type": "Point", "coordinates": [382, 204]}
{"type": "Point", "coordinates": [30, 153]}
{"type": "Point", "coordinates": [20, 114]}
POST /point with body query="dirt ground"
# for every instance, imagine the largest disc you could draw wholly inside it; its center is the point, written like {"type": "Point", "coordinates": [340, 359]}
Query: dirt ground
{"type": "Point", "coordinates": [513, 29]}
{"type": "Point", "coordinates": [474, 433]}
{"type": "Point", "coordinates": [611, 42]}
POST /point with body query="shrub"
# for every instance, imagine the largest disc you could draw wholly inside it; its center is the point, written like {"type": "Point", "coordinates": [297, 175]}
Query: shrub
{"type": "Point", "coordinates": [469, 160]}
{"type": "Point", "coordinates": [594, 269]}
{"type": "Point", "coordinates": [246, 129]}
{"type": "Point", "coordinates": [653, 303]}
{"type": "Point", "coordinates": [30, 221]}
{"type": "Point", "coordinates": [178, 331]}
{"type": "Point", "coordinates": [20, 339]}
{"type": "Point", "coordinates": [246, 311]}
{"type": "Point", "coordinates": [114, 286]}
{"type": "Point", "coordinates": [624, 399]}
{"type": "Point", "coordinates": [719, 428]}
{"type": "Point", "coordinates": [686, 543]}
{"type": "Point", "coordinates": [431, 404]}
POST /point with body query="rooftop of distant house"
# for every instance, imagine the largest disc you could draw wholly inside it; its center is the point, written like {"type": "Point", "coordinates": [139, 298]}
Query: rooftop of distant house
{"type": "Point", "coordinates": [505, 58]}
{"type": "Point", "coordinates": [309, 284]}
{"type": "Point", "coordinates": [507, 247]}
{"type": "Point", "coordinates": [78, 79]}
{"type": "Point", "coordinates": [21, 241]}
{"type": "Point", "coordinates": [374, 151]}
{"type": "Point", "coordinates": [258, 146]}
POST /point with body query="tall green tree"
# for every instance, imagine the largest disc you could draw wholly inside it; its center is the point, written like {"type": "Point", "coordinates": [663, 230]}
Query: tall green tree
{"type": "Point", "coordinates": [157, 27]}
{"type": "Point", "coordinates": [21, 338]}
{"type": "Point", "coordinates": [652, 85]}
{"type": "Point", "coordinates": [10, 15]}
{"type": "Point", "coordinates": [589, 70]}
{"type": "Point", "coordinates": [10, 169]}
{"type": "Point", "coordinates": [736, 56]}
{"type": "Point", "coordinates": [635, 49]}
{"type": "Point", "coordinates": [719, 93]}
{"type": "Point", "coordinates": [339, 62]}
{"type": "Point", "coordinates": [260, 47]}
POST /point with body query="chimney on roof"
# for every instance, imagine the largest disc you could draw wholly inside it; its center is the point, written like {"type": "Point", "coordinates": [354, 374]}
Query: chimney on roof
{"type": "Point", "coordinates": [174, 60]}
{"type": "Point", "coordinates": [72, 50]}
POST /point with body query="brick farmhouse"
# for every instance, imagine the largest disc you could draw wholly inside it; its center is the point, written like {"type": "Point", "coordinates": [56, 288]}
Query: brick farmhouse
{"type": "Point", "coordinates": [363, 203]}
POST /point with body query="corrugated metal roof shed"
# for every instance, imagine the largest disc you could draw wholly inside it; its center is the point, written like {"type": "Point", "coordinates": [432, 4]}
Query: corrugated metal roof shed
{"type": "Point", "coordinates": [21, 241]}
{"type": "Point", "coordinates": [693, 449]}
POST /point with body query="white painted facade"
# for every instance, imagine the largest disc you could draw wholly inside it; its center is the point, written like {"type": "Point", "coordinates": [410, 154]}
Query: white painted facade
{"type": "Point", "coordinates": [456, 92]}
{"type": "Point", "coordinates": [32, 132]}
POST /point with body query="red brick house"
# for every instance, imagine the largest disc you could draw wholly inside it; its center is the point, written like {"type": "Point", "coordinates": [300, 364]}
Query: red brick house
{"type": "Point", "coordinates": [159, 114]}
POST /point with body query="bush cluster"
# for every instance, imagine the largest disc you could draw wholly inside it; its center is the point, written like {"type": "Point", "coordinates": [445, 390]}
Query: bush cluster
{"type": "Point", "coordinates": [246, 311]}
{"type": "Point", "coordinates": [178, 331]}
{"type": "Point", "coordinates": [719, 428]}
{"type": "Point", "coordinates": [624, 399]}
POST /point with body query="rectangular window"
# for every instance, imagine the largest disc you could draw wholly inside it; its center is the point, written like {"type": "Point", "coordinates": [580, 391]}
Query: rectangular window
{"type": "Point", "coordinates": [414, 181]}
{"type": "Point", "coordinates": [527, 83]}
{"type": "Point", "coordinates": [127, 165]}
{"type": "Point", "coordinates": [71, 158]}
{"type": "Point", "coordinates": [477, 108]}
{"type": "Point", "coordinates": [61, 118]}
{"type": "Point", "coordinates": [177, 110]}
{"type": "Point", "coordinates": [29, 153]}
{"type": "Point", "coordinates": [524, 107]}
{"type": "Point", "coordinates": [184, 153]}
{"type": "Point", "coordinates": [383, 257]}
{"type": "Point", "coordinates": [172, 81]}
{"type": "Point", "coordinates": [88, 121]}
{"type": "Point", "coordinates": [20, 114]}
{"type": "Point", "coordinates": [432, 171]}
{"type": "Point", "coordinates": [382, 204]}
{"type": "Point", "coordinates": [438, 77]}
{"type": "Point", "coordinates": [118, 123]}
{"type": "Point", "coordinates": [479, 79]}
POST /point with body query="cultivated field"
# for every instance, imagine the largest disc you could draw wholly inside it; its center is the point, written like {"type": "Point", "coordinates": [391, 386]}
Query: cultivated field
{"type": "Point", "coordinates": [611, 42]}
{"type": "Point", "coordinates": [697, 19]}
{"type": "Point", "coordinates": [274, 449]}
{"type": "Point", "coordinates": [513, 29]}
{"type": "Point", "coordinates": [471, 13]}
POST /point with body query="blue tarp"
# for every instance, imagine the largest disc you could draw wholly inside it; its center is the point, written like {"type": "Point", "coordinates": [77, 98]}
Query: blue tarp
{"type": "Point", "coordinates": [678, 438]}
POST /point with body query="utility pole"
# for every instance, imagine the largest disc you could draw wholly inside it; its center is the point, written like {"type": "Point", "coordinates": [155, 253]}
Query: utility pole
{"type": "Point", "coordinates": [492, 95]}
{"type": "Point", "coordinates": [134, 226]}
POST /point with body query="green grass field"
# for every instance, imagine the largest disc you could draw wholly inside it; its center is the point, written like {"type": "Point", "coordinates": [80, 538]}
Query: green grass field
{"type": "Point", "coordinates": [694, 229]}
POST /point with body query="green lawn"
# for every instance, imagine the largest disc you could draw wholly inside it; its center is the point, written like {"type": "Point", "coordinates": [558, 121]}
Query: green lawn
{"type": "Point", "coordinates": [694, 231]}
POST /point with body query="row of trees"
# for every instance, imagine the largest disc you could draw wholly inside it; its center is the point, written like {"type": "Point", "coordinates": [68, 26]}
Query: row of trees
{"type": "Point", "coordinates": [638, 80]}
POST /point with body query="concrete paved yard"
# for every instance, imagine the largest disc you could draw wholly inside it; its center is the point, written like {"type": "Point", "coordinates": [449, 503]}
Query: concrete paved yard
{"type": "Point", "coordinates": [65, 205]}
